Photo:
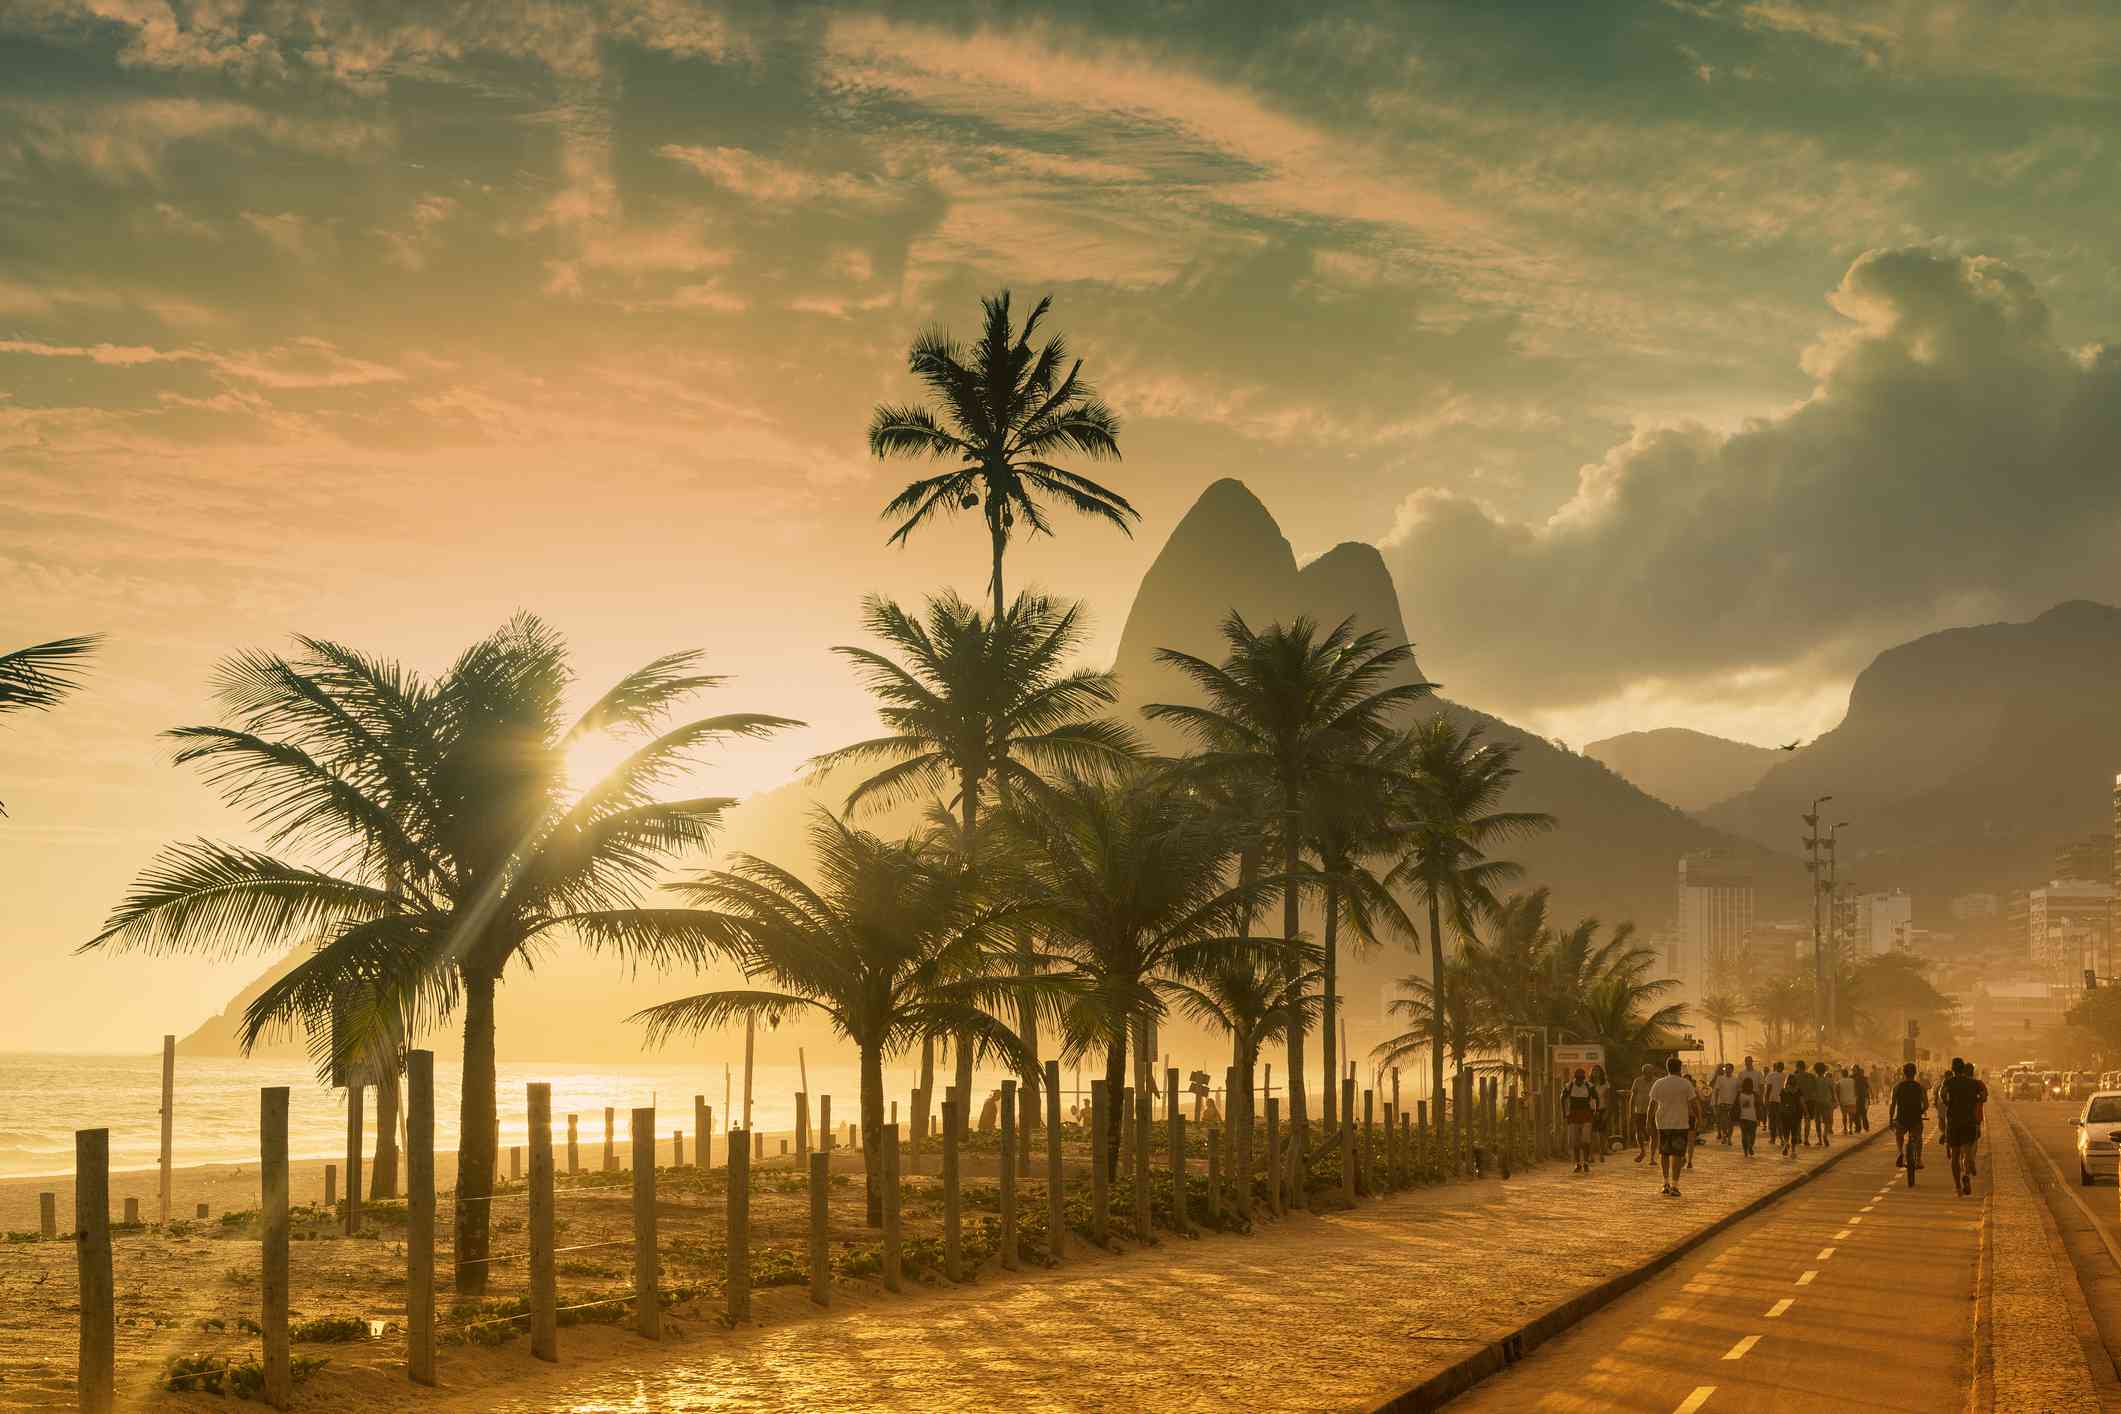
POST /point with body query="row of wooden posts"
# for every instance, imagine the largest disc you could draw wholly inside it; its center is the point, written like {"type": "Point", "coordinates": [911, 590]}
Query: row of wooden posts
{"type": "Point", "coordinates": [1478, 1112]}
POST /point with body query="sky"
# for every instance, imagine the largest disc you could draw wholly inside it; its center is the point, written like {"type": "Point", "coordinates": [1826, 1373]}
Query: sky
{"type": "Point", "coordinates": [1680, 355]}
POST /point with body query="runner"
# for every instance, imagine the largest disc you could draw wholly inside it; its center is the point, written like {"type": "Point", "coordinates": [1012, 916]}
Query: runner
{"type": "Point", "coordinates": [1724, 1091]}
{"type": "Point", "coordinates": [1910, 1103]}
{"type": "Point", "coordinates": [1980, 1114]}
{"type": "Point", "coordinates": [1748, 1111]}
{"type": "Point", "coordinates": [1639, 1108]}
{"type": "Point", "coordinates": [1672, 1101]}
{"type": "Point", "coordinates": [1579, 1099]}
{"type": "Point", "coordinates": [1959, 1110]}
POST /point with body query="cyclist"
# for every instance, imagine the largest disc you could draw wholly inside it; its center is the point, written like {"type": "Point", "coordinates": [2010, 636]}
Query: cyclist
{"type": "Point", "coordinates": [1959, 1114]}
{"type": "Point", "coordinates": [1910, 1104]}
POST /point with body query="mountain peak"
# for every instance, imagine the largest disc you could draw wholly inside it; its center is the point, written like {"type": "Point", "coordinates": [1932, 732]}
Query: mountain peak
{"type": "Point", "coordinates": [2080, 613]}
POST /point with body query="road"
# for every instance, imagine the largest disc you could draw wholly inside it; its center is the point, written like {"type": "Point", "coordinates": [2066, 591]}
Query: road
{"type": "Point", "coordinates": [1855, 1291]}
{"type": "Point", "coordinates": [2082, 1215]}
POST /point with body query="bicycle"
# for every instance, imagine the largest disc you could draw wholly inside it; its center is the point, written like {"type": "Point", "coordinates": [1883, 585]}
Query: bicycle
{"type": "Point", "coordinates": [1911, 1153]}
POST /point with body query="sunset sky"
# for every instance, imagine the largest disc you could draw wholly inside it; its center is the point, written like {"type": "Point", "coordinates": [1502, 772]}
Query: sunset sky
{"type": "Point", "coordinates": [1680, 355]}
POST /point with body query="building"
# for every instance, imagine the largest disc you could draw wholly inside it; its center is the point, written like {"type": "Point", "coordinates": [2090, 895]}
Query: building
{"type": "Point", "coordinates": [1971, 908]}
{"type": "Point", "coordinates": [1880, 924]}
{"type": "Point", "coordinates": [2091, 858]}
{"type": "Point", "coordinates": [2069, 929]}
{"type": "Point", "coordinates": [1713, 946]}
{"type": "Point", "coordinates": [2008, 1020]}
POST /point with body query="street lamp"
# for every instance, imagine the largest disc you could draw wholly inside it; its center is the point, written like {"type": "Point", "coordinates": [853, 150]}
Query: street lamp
{"type": "Point", "coordinates": [1811, 867]}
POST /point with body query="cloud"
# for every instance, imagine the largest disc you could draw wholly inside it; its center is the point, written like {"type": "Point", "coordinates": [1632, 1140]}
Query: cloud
{"type": "Point", "coordinates": [300, 363]}
{"type": "Point", "coordinates": [1952, 452]}
{"type": "Point", "coordinates": [129, 140]}
{"type": "Point", "coordinates": [762, 179]}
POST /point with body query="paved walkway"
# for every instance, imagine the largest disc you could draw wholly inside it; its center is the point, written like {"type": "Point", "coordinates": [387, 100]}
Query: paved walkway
{"type": "Point", "coordinates": [1332, 1312]}
{"type": "Point", "coordinates": [2039, 1360]}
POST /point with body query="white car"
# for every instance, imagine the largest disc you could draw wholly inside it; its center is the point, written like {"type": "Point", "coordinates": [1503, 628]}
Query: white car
{"type": "Point", "coordinates": [2099, 1137]}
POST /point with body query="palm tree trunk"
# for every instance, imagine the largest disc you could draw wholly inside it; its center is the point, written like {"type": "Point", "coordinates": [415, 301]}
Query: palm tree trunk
{"type": "Point", "coordinates": [968, 793]}
{"type": "Point", "coordinates": [1437, 1012]}
{"type": "Point", "coordinates": [383, 1173]}
{"type": "Point", "coordinates": [476, 1140]}
{"type": "Point", "coordinates": [1298, 1107]}
{"type": "Point", "coordinates": [872, 1132]}
{"type": "Point", "coordinates": [1115, 1084]}
{"type": "Point", "coordinates": [1327, 1108]}
{"type": "Point", "coordinates": [963, 1074]}
{"type": "Point", "coordinates": [924, 1093]}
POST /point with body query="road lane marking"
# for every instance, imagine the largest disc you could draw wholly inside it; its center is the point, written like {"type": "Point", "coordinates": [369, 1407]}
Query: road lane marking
{"type": "Point", "coordinates": [1737, 1352]}
{"type": "Point", "coordinates": [1695, 1400]}
{"type": "Point", "coordinates": [1806, 1279]}
{"type": "Point", "coordinates": [1780, 1306]}
{"type": "Point", "coordinates": [1843, 1235]}
{"type": "Point", "coordinates": [1856, 1219]}
{"type": "Point", "coordinates": [1868, 1206]}
{"type": "Point", "coordinates": [1824, 1253]}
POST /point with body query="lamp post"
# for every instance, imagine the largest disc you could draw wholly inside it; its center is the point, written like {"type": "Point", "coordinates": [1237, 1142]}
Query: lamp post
{"type": "Point", "coordinates": [1833, 915]}
{"type": "Point", "coordinates": [1811, 867]}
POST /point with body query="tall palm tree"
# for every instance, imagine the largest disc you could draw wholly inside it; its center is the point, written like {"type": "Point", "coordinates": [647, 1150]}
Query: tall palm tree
{"type": "Point", "coordinates": [1286, 708]}
{"type": "Point", "coordinates": [1352, 823]}
{"type": "Point", "coordinates": [1454, 1019]}
{"type": "Point", "coordinates": [894, 944]}
{"type": "Point", "coordinates": [1002, 410]}
{"type": "Point", "coordinates": [37, 677]}
{"type": "Point", "coordinates": [1782, 1005]}
{"type": "Point", "coordinates": [437, 841]}
{"type": "Point", "coordinates": [1719, 1010]}
{"type": "Point", "coordinates": [1252, 994]}
{"type": "Point", "coordinates": [1455, 784]}
{"type": "Point", "coordinates": [1623, 1013]}
{"type": "Point", "coordinates": [971, 705]}
{"type": "Point", "coordinates": [1127, 878]}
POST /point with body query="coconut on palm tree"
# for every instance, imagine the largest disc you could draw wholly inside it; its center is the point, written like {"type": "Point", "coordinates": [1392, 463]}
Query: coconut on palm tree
{"type": "Point", "coordinates": [1455, 786]}
{"type": "Point", "coordinates": [425, 836]}
{"type": "Point", "coordinates": [894, 944]}
{"type": "Point", "coordinates": [35, 678]}
{"type": "Point", "coordinates": [1287, 707]}
{"type": "Point", "coordinates": [971, 706]}
{"type": "Point", "coordinates": [1003, 411]}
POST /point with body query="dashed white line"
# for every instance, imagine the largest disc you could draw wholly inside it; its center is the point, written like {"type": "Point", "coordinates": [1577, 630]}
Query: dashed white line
{"type": "Point", "coordinates": [1843, 1235]}
{"type": "Point", "coordinates": [1824, 1253]}
{"type": "Point", "coordinates": [1780, 1306]}
{"type": "Point", "coordinates": [1695, 1400]}
{"type": "Point", "coordinates": [1806, 1279]}
{"type": "Point", "coordinates": [1737, 1352]}
{"type": "Point", "coordinates": [1856, 1219]}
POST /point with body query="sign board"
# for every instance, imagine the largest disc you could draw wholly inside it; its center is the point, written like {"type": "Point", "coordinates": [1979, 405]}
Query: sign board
{"type": "Point", "coordinates": [1568, 1058]}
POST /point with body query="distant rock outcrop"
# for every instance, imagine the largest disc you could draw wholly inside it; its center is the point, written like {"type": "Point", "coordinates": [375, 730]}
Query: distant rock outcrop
{"type": "Point", "coordinates": [1689, 769]}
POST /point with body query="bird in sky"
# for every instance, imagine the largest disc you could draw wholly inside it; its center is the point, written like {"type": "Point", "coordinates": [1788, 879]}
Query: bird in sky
{"type": "Point", "coordinates": [1791, 746]}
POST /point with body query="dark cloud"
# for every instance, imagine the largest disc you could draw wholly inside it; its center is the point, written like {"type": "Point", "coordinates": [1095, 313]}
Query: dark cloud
{"type": "Point", "coordinates": [1952, 453]}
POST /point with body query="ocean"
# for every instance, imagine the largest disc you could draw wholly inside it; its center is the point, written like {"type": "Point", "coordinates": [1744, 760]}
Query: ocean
{"type": "Point", "coordinates": [45, 1098]}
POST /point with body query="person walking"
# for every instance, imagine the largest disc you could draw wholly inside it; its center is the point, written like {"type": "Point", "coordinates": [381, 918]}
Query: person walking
{"type": "Point", "coordinates": [1723, 1091]}
{"type": "Point", "coordinates": [1639, 1108]}
{"type": "Point", "coordinates": [1790, 1114]}
{"type": "Point", "coordinates": [1747, 1113]}
{"type": "Point", "coordinates": [1672, 1103]}
{"type": "Point", "coordinates": [1579, 1102]}
{"type": "Point", "coordinates": [1822, 1098]}
{"type": "Point", "coordinates": [1602, 1119]}
{"type": "Point", "coordinates": [1777, 1079]}
{"type": "Point", "coordinates": [1910, 1103]}
{"type": "Point", "coordinates": [1863, 1100]}
{"type": "Point", "coordinates": [1845, 1097]}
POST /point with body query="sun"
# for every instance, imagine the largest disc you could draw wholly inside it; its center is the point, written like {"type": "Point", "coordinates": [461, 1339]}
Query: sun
{"type": "Point", "coordinates": [594, 756]}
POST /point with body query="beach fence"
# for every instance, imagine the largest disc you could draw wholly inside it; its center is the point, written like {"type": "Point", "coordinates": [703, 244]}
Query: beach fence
{"type": "Point", "coordinates": [738, 1213]}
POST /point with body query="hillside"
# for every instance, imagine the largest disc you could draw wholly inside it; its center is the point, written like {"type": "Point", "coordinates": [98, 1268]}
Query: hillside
{"type": "Point", "coordinates": [1689, 769]}
{"type": "Point", "coordinates": [1966, 756]}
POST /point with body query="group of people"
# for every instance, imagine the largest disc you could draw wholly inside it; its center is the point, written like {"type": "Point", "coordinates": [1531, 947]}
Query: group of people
{"type": "Point", "coordinates": [1960, 1099]}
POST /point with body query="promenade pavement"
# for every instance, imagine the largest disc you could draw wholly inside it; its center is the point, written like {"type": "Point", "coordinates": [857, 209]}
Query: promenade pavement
{"type": "Point", "coordinates": [1329, 1312]}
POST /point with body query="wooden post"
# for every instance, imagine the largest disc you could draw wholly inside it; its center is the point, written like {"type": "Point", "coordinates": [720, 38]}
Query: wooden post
{"type": "Point", "coordinates": [48, 1215]}
{"type": "Point", "coordinates": [702, 1135]}
{"type": "Point", "coordinates": [802, 1125]}
{"type": "Point", "coordinates": [1100, 1150]}
{"type": "Point", "coordinates": [1391, 1181]}
{"type": "Point", "coordinates": [1056, 1193]}
{"type": "Point", "coordinates": [97, 1383]}
{"type": "Point", "coordinates": [354, 1095]}
{"type": "Point", "coordinates": [820, 1250]}
{"type": "Point", "coordinates": [647, 1304]}
{"type": "Point", "coordinates": [677, 1148]}
{"type": "Point", "coordinates": [132, 1212]}
{"type": "Point", "coordinates": [1215, 1176]}
{"type": "Point", "coordinates": [890, 1181]}
{"type": "Point", "coordinates": [738, 1279]}
{"type": "Point", "coordinates": [515, 1163]}
{"type": "Point", "coordinates": [331, 1187]}
{"type": "Point", "coordinates": [1241, 1167]}
{"type": "Point", "coordinates": [1366, 1173]}
{"type": "Point", "coordinates": [706, 1139]}
{"type": "Point", "coordinates": [169, 1115]}
{"type": "Point", "coordinates": [824, 1122]}
{"type": "Point", "coordinates": [1274, 1197]}
{"type": "Point", "coordinates": [574, 1144]}
{"type": "Point", "coordinates": [544, 1278]}
{"type": "Point", "coordinates": [202, 1210]}
{"type": "Point", "coordinates": [272, 1247]}
{"type": "Point", "coordinates": [1007, 1154]}
{"type": "Point", "coordinates": [611, 1145]}
{"type": "Point", "coordinates": [1140, 1171]}
{"type": "Point", "coordinates": [758, 1144]}
{"type": "Point", "coordinates": [953, 1214]}
{"type": "Point", "coordinates": [1347, 1142]}
{"type": "Point", "coordinates": [420, 1214]}
{"type": "Point", "coordinates": [1178, 1152]}
{"type": "Point", "coordinates": [1231, 1122]}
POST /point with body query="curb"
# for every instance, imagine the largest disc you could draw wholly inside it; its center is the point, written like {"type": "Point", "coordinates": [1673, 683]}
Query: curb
{"type": "Point", "coordinates": [1462, 1374]}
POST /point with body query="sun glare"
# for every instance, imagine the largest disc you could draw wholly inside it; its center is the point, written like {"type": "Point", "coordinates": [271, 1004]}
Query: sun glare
{"type": "Point", "coordinates": [594, 757]}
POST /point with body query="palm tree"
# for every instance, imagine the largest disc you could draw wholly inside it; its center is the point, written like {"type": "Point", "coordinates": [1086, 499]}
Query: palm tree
{"type": "Point", "coordinates": [37, 677]}
{"type": "Point", "coordinates": [1455, 785]}
{"type": "Point", "coordinates": [893, 944]}
{"type": "Point", "coordinates": [1458, 1024]}
{"type": "Point", "coordinates": [971, 704]}
{"type": "Point", "coordinates": [1002, 409]}
{"type": "Point", "coordinates": [1781, 1005]}
{"type": "Point", "coordinates": [1252, 994]}
{"type": "Point", "coordinates": [1351, 822]}
{"type": "Point", "coordinates": [1285, 709]}
{"type": "Point", "coordinates": [1621, 1013]}
{"type": "Point", "coordinates": [1719, 1010]}
{"type": "Point", "coordinates": [1127, 877]}
{"type": "Point", "coordinates": [437, 840]}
